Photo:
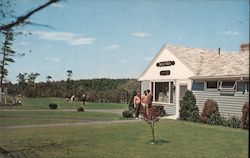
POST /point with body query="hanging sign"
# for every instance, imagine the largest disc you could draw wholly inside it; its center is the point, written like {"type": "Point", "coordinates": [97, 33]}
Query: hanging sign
{"type": "Point", "coordinates": [165, 72]}
{"type": "Point", "coordinates": [165, 63]}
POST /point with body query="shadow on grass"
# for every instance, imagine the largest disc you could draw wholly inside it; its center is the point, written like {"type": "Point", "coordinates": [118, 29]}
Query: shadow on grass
{"type": "Point", "coordinates": [159, 142]}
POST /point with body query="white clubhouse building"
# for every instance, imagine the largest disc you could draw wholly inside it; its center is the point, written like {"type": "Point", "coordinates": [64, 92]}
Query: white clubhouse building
{"type": "Point", "coordinates": [221, 76]}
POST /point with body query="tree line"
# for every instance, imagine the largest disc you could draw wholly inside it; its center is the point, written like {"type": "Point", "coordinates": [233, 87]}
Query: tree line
{"type": "Point", "coordinates": [9, 24]}
{"type": "Point", "coordinates": [96, 90]}
{"type": "Point", "coordinates": [102, 90]}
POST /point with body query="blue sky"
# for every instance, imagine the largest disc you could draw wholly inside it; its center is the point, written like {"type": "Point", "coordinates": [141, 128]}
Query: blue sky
{"type": "Point", "coordinates": [118, 38]}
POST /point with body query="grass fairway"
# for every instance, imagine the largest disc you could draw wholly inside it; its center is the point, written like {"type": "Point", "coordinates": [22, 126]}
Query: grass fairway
{"type": "Point", "coordinates": [43, 103]}
{"type": "Point", "coordinates": [177, 139]}
{"type": "Point", "coordinates": [36, 111]}
{"type": "Point", "coordinates": [11, 118]}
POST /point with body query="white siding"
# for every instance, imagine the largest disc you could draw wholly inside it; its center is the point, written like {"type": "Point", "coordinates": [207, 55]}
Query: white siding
{"type": "Point", "coordinates": [170, 109]}
{"type": "Point", "coordinates": [231, 105]}
{"type": "Point", "coordinates": [177, 71]}
{"type": "Point", "coordinates": [144, 86]}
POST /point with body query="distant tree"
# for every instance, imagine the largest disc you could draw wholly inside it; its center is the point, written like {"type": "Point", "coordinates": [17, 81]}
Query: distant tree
{"type": "Point", "coordinates": [32, 77]}
{"type": "Point", "coordinates": [69, 74]}
{"type": "Point", "coordinates": [32, 88]}
{"type": "Point", "coordinates": [22, 79]}
{"type": "Point", "coordinates": [96, 90]}
{"type": "Point", "coordinates": [48, 78]}
{"type": "Point", "coordinates": [6, 29]}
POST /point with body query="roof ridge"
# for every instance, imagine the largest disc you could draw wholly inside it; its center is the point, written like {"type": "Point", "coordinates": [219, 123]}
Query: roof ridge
{"type": "Point", "coordinates": [204, 49]}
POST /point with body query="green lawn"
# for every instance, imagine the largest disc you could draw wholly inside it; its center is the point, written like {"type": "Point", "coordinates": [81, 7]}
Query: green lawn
{"type": "Point", "coordinates": [178, 139]}
{"type": "Point", "coordinates": [36, 111]}
{"type": "Point", "coordinates": [42, 103]}
{"type": "Point", "coordinates": [10, 118]}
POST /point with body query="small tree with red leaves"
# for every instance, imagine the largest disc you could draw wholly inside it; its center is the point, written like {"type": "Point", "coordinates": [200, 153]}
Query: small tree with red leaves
{"type": "Point", "coordinates": [152, 118]}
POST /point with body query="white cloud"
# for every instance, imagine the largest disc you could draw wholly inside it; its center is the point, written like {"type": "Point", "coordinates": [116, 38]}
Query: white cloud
{"type": "Point", "coordinates": [68, 37]}
{"type": "Point", "coordinates": [148, 58]}
{"type": "Point", "coordinates": [24, 43]}
{"type": "Point", "coordinates": [234, 33]}
{"type": "Point", "coordinates": [56, 60]}
{"type": "Point", "coordinates": [141, 34]}
{"type": "Point", "coordinates": [81, 41]}
{"type": "Point", "coordinates": [57, 5]}
{"type": "Point", "coordinates": [113, 46]}
{"type": "Point", "coordinates": [229, 32]}
{"type": "Point", "coordinates": [124, 61]}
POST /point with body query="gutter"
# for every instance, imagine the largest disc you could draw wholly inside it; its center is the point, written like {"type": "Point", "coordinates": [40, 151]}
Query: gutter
{"type": "Point", "coordinates": [226, 77]}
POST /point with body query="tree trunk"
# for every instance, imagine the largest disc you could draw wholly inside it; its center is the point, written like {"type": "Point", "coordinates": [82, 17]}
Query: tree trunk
{"type": "Point", "coordinates": [153, 131]}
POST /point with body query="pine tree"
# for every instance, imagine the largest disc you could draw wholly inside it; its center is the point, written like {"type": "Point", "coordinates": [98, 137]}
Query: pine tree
{"type": "Point", "coordinates": [7, 55]}
{"type": "Point", "coordinates": [189, 110]}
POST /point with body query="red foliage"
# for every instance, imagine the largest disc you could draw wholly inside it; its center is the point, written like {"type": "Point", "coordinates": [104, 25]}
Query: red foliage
{"type": "Point", "coordinates": [210, 107]}
{"type": "Point", "coordinates": [152, 116]}
{"type": "Point", "coordinates": [245, 116]}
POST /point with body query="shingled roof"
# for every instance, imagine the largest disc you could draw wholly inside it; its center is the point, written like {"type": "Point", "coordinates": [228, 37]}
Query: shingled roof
{"type": "Point", "coordinates": [209, 63]}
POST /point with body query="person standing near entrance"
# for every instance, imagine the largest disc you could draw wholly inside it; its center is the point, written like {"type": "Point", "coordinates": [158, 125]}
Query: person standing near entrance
{"type": "Point", "coordinates": [149, 98]}
{"type": "Point", "coordinates": [137, 104]}
{"type": "Point", "coordinates": [144, 103]}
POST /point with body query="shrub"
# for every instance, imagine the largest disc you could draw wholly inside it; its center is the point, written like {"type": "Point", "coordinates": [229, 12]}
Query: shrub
{"type": "Point", "coordinates": [194, 117]}
{"type": "Point", "coordinates": [245, 116]}
{"type": "Point", "coordinates": [128, 113]}
{"type": "Point", "coordinates": [189, 110]}
{"type": "Point", "coordinates": [215, 119]}
{"type": "Point", "coordinates": [80, 109]}
{"type": "Point", "coordinates": [53, 106]}
{"type": "Point", "coordinates": [131, 101]}
{"type": "Point", "coordinates": [234, 122]}
{"type": "Point", "coordinates": [161, 111]}
{"type": "Point", "coordinates": [210, 107]}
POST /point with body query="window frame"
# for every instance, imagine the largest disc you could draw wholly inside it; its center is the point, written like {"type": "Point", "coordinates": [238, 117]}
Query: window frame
{"type": "Point", "coordinates": [228, 90]}
{"type": "Point", "coordinates": [234, 87]}
{"type": "Point", "coordinates": [171, 90]}
{"type": "Point", "coordinates": [213, 89]}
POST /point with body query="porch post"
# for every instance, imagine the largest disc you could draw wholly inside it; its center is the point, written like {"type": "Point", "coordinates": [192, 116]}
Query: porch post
{"type": "Point", "coordinates": [177, 92]}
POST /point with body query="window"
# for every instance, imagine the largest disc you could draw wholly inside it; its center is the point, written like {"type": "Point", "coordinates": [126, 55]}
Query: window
{"type": "Point", "coordinates": [212, 85]}
{"type": "Point", "coordinates": [164, 92]}
{"type": "Point", "coordinates": [227, 87]}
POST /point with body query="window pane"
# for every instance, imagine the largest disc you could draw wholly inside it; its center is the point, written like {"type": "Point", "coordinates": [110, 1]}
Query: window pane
{"type": "Point", "coordinates": [212, 84]}
{"type": "Point", "coordinates": [227, 84]}
{"type": "Point", "coordinates": [162, 92]}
